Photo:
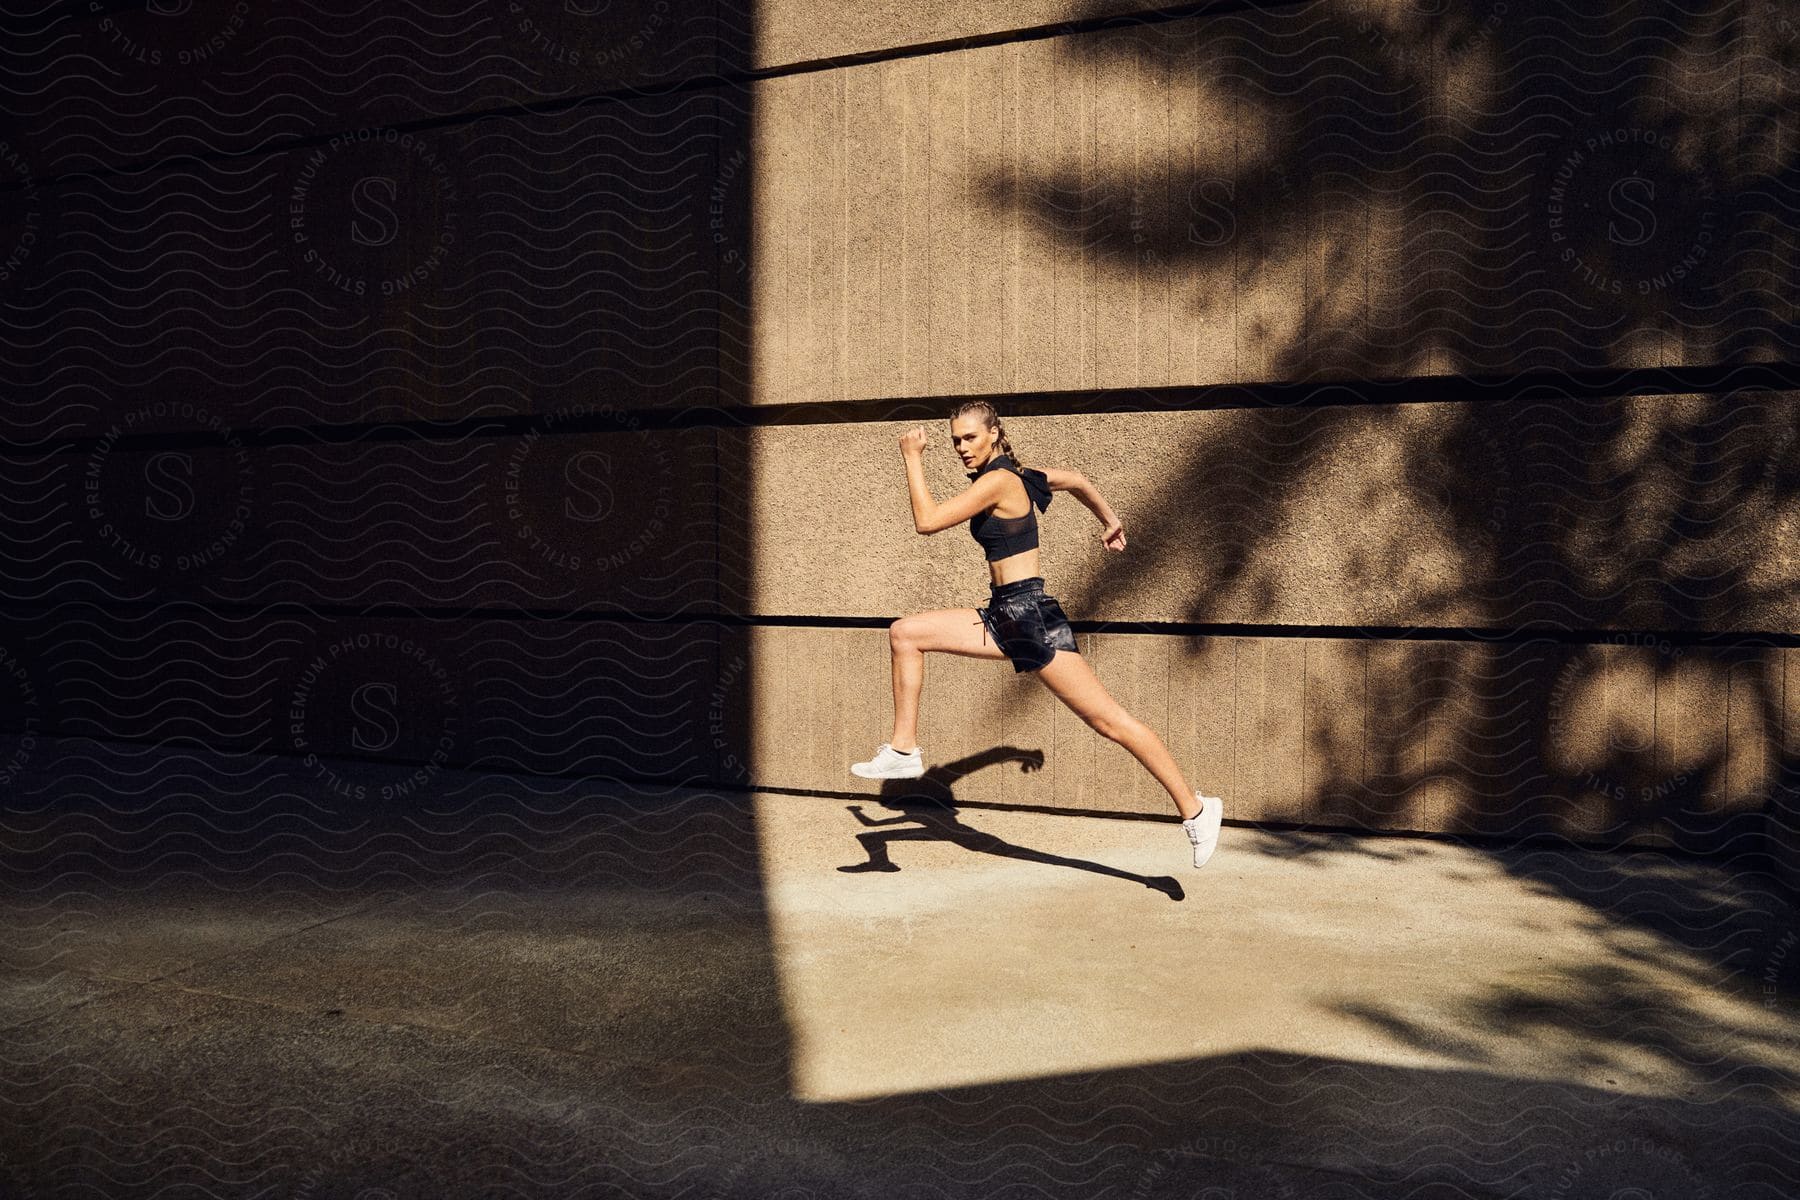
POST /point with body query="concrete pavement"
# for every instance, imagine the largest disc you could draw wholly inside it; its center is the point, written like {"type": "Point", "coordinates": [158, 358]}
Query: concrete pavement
{"type": "Point", "coordinates": [219, 979]}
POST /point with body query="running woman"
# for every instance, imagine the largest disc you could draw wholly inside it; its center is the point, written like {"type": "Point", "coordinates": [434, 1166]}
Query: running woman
{"type": "Point", "coordinates": [1027, 624]}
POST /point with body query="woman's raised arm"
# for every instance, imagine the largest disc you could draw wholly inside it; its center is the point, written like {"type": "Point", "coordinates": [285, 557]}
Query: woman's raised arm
{"type": "Point", "coordinates": [1112, 533]}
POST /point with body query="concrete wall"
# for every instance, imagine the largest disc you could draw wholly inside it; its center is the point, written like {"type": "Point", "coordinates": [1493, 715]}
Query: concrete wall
{"type": "Point", "coordinates": [290, 368]}
{"type": "Point", "coordinates": [1099, 220]}
{"type": "Point", "coordinates": [1603, 743]}
{"type": "Point", "coordinates": [1273, 194]}
{"type": "Point", "coordinates": [1671, 513]}
{"type": "Point", "coordinates": [806, 31]}
{"type": "Point", "coordinates": [343, 354]}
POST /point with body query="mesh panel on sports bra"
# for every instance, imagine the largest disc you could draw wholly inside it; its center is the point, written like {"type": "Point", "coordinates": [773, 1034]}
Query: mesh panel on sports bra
{"type": "Point", "coordinates": [1002, 537]}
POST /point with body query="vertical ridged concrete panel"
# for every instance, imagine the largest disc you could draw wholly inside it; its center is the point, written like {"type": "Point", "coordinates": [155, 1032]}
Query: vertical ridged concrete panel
{"type": "Point", "coordinates": [1136, 670]}
{"type": "Point", "coordinates": [1784, 813]}
{"type": "Point", "coordinates": [1609, 744]}
{"type": "Point", "coordinates": [1328, 190]}
{"type": "Point", "coordinates": [802, 31]}
{"type": "Point", "coordinates": [92, 85]}
{"type": "Point", "coordinates": [1334, 715]}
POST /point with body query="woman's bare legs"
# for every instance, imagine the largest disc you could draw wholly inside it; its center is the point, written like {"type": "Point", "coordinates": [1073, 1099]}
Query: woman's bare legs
{"type": "Point", "coordinates": [948, 630]}
{"type": "Point", "coordinates": [1073, 681]}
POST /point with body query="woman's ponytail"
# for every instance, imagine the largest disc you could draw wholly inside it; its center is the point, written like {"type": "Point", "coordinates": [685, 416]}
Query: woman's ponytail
{"type": "Point", "coordinates": [1006, 447]}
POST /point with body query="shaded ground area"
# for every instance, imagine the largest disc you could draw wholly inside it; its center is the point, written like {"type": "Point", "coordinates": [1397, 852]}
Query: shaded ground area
{"type": "Point", "coordinates": [223, 976]}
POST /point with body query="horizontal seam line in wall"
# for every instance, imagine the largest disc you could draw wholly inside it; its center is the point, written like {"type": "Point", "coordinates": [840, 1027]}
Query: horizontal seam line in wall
{"type": "Point", "coordinates": [1441, 389]}
{"type": "Point", "coordinates": [691, 783]}
{"type": "Point", "coordinates": [1646, 638]}
{"type": "Point", "coordinates": [720, 79]}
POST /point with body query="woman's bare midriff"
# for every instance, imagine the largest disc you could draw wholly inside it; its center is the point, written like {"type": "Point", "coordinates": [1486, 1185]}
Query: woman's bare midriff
{"type": "Point", "coordinates": [1022, 565]}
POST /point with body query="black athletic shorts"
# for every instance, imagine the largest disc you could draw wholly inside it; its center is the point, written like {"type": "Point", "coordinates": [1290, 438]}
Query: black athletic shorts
{"type": "Point", "coordinates": [1027, 625]}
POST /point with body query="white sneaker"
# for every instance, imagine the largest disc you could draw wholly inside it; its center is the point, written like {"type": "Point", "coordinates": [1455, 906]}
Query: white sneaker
{"type": "Point", "coordinates": [889, 763]}
{"type": "Point", "coordinates": [1203, 828]}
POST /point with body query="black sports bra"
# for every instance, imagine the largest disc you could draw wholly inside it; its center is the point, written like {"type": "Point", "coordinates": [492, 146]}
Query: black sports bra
{"type": "Point", "coordinates": [1002, 537]}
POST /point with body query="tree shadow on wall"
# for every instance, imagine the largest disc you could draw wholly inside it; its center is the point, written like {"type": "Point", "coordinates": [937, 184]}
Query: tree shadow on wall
{"type": "Point", "coordinates": [1395, 180]}
{"type": "Point", "coordinates": [1463, 192]}
{"type": "Point", "coordinates": [1435, 188]}
{"type": "Point", "coordinates": [1388, 197]}
{"type": "Point", "coordinates": [1382, 198]}
{"type": "Point", "coordinates": [1435, 146]}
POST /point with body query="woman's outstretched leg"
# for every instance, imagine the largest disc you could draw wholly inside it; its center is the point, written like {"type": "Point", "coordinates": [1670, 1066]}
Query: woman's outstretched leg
{"type": "Point", "coordinates": [1073, 681]}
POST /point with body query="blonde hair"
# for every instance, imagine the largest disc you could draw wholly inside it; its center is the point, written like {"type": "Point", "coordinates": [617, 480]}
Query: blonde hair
{"type": "Point", "coordinates": [987, 413]}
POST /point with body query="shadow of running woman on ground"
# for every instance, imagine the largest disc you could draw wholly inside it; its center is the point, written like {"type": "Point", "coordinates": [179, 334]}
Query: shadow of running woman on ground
{"type": "Point", "coordinates": [930, 801]}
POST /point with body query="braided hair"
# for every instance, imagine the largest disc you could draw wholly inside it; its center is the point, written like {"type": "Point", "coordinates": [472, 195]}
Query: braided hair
{"type": "Point", "coordinates": [986, 411]}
